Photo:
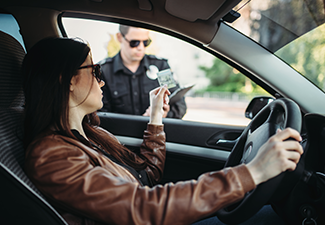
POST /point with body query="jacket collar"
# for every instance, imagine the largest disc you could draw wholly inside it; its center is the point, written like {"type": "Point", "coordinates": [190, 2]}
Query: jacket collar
{"type": "Point", "coordinates": [118, 63]}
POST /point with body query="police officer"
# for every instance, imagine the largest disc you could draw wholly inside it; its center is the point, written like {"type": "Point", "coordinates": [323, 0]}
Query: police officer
{"type": "Point", "coordinates": [131, 74]}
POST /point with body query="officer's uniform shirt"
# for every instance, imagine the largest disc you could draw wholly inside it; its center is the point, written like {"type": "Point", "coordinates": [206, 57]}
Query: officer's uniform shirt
{"type": "Point", "coordinates": [127, 92]}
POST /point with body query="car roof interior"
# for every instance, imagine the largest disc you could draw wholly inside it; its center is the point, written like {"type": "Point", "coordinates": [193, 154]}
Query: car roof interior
{"type": "Point", "coordinates": [201, 20]}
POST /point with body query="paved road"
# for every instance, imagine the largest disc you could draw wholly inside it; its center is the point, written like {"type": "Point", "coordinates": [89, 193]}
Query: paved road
{"type": "Point", "coordinates": [216, 111]}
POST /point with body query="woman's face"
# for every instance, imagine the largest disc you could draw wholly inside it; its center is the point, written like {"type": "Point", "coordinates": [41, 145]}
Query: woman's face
{"type": "Point", "coordinates": [85, 92]}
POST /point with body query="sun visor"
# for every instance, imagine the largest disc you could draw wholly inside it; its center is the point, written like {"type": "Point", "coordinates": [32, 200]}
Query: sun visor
{"type": "Point", "coordinates": [192, 10]}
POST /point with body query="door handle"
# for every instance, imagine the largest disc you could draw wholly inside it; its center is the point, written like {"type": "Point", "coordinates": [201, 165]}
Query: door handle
{"type": "Point", "coordinates": [226, 143]}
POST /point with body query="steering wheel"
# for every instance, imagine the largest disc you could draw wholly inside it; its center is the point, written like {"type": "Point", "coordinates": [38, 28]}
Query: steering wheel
{"type": "Point", "coordinates": [280, 113]}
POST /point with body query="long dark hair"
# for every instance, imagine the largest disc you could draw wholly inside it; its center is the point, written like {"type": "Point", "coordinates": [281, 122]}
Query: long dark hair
{"type": "Point", "coordinates": [47, 70]}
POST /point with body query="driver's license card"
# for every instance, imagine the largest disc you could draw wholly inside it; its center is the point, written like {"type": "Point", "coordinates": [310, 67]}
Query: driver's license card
{"type": "Point", "coordinates": [166, 77]}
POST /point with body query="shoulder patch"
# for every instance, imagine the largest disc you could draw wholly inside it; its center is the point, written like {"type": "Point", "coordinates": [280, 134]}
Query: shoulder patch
{"type": "Point", "coordinates": [156, 57]}
{"type": "Point", "coordinates": [107, 60]}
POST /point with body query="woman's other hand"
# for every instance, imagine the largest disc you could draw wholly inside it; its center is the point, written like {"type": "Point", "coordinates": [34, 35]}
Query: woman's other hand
{"type": "Point", "coordinates": [277, 155]}
{"type": "Point", "coordinates": [158, 104]}
{"type": "Point", "coordinates": [166, 109]}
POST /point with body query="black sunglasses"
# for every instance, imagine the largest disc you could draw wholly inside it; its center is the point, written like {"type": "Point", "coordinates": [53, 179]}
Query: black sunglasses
{"type": "Point", "coordinates": [96, 71]}
{"type": "Point", "coordinates": [135, 43]}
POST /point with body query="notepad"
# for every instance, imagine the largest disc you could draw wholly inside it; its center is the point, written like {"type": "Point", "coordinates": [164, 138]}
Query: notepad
{"type": "Point", "coordinates": [179, 93]}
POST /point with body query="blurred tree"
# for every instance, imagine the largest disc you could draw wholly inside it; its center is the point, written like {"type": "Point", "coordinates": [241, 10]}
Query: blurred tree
{"type": "Point", "coordinates": [275, 25]}
{"type": "Point", "coordinates": [113, 46]}
{"type": "Point", "coordinates": [307, 55]}
{"type": "Point", "coordinates": [296, 36]}
{"type": "Point", "coordinates": [224, 78]}
{"type": "Point", "coordinates": [278, 29]}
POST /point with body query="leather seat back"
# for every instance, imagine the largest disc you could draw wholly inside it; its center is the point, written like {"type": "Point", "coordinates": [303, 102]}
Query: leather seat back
{"type": "Point", "coordinates": [21, 202]}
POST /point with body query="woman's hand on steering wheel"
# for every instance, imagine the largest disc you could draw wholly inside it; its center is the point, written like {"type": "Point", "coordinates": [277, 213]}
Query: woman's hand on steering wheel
{"type": "Point", "coordinates": [277, 155]}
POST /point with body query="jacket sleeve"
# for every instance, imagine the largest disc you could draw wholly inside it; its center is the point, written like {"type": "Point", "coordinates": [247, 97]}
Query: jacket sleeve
{"type": "Point", "coordinates": [153, 148]}
{"type": "Point", "coordinates": [73, 182]}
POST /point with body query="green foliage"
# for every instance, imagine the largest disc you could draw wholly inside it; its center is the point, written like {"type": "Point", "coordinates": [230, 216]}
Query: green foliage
{"type": "Point", "coordinates": [113, 46]}
{"type": "Point", "coordinates": [274, 26]}
{"type": "Point", "coordinates": [307, 55]}
{"type": "Point", "coordinates": [224, 78]}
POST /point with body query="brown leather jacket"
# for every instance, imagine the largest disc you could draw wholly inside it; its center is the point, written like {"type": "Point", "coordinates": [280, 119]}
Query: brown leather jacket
{"type": "Point", "coordinates": [77, 179]}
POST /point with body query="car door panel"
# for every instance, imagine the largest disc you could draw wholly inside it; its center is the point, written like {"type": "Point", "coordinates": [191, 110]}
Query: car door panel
{"type": "Point", "coordinates": [191, 147]}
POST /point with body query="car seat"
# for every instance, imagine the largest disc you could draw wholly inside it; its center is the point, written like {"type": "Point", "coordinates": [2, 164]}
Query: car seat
{"type": "Point", "coordinates": [20, 202]}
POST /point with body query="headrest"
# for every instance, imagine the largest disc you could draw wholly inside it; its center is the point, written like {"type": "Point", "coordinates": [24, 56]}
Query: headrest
{"type": "Point", "coordinates": [11, 58]}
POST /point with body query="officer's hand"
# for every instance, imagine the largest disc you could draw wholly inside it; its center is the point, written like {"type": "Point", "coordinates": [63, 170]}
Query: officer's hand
{"type": "Point", "coordinates": [147, 112]}
{"type": "Point", "coordinates": [166, 109]}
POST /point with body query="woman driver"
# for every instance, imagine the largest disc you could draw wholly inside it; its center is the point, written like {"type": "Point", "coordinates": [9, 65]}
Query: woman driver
{"type": "Point", "coordinates": [85, 172]}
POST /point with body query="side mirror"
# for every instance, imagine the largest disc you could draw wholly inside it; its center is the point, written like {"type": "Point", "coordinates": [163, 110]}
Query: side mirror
{"type": "Point", "coordinates": [256, 105]}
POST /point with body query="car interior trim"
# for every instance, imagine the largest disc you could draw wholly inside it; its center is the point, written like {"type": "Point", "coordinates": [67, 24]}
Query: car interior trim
{"type": "Point", "coordinates": [195, 11]}
{"type": "Point", "coordinates": [192, 10]}
{"type": "Point", "coordinates": [145, 5]}
{"type": "Point", "coordinates": [29, 20]}
{"type": "Point", "coordinates": [212, 154]}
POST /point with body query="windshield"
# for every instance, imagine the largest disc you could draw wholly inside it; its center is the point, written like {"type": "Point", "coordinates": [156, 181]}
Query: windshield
{"type": "Point", "coordinates": [292, 29]}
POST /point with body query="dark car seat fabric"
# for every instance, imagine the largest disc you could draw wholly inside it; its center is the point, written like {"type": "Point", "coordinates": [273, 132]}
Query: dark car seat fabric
{"type": "Point", "coordinates": [20, 201]}
{"type": "Point", "coordinates": [11, 57]}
